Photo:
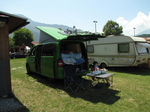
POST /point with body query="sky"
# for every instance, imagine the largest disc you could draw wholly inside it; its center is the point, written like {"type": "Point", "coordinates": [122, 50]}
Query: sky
{"type": "Point", "coordinates": [81, 13]}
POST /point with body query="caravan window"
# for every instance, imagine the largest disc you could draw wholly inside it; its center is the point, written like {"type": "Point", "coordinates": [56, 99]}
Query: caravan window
{"type": "Point", "coordinates": [141, 48]}
{"type": "Point", "coordinates": [48, 50]}
{"type": "Point", "coordinates": [123, 48]}
{"type": "Point", "coordinates": [90, 49]}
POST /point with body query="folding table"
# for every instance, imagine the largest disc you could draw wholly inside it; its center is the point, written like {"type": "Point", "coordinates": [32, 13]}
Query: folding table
{"type": "Point", "coordinates": [106, 78]}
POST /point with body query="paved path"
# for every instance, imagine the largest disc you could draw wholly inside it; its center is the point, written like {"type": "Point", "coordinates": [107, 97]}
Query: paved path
{"type": "Point", "coordinates": [11, 105]}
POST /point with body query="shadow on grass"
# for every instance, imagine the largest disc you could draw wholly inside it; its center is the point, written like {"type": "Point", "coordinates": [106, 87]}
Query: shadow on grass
{"type": "Point", "coordinates": [98, 94]}
{"type": "Point", "coordinates": [12, 104]}
{"type": "Point", "coordinates": [132, 70]}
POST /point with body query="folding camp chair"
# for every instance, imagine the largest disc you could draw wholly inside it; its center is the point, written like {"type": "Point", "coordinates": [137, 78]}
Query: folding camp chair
{"type": "Point", "coordinates": [71, 81]}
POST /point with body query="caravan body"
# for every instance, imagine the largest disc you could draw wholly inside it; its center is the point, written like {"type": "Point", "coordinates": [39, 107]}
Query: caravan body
{"type": "Point", "coordinates": [118, 51]}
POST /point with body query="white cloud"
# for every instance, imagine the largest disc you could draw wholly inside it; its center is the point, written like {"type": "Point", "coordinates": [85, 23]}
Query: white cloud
{"type": "Point", "coordinates": [141, 22]}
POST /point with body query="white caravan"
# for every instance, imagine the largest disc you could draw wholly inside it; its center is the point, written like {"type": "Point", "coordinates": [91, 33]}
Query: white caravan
{"type": "Point", "coordinates": [118, 51]}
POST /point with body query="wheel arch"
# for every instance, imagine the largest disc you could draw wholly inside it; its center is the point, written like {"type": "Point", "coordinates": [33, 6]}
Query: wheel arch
{"type": "Point", "coordinates": [103, 62]}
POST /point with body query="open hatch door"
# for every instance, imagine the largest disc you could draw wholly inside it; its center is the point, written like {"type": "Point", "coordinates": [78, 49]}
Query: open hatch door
{"type": "Point", "coordinates": [84, 37]}
{"type": "Point", "coordinates": [58, 35]}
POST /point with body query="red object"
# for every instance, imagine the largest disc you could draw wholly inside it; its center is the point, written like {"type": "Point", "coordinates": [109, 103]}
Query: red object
{"type": "Point", "coordinates": [92, 68]}
{"type": "Point", "coordinates": [95, 69]}
{"type": "Point", "coordinates": [60, 63]}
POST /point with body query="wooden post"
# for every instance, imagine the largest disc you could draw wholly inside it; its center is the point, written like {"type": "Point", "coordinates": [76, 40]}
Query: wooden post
{"type": "Point", "coordinates": [5, 79]}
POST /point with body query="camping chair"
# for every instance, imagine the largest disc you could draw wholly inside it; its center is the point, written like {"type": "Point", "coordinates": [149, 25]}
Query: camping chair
{"type": "Point", "coordinates": [71, 81]}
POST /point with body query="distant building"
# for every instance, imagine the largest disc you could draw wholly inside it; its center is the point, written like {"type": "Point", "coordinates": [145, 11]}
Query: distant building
{"type": "Point", "coordinates": [35, 43]}
{"type": "Point", "coordinates": [147, 39]}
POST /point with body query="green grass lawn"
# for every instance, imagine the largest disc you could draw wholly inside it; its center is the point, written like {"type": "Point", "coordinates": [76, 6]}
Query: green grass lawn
{"type": "Point", "coordinates": [131, 92]}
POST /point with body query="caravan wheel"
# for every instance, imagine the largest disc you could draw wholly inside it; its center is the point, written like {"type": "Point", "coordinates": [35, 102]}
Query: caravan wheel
{"type": "Point", "coordinates": [103, 65]}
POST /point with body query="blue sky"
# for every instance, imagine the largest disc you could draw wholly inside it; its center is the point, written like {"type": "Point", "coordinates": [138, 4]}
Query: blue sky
{"type": "Point", "coordinates": [82, 13]}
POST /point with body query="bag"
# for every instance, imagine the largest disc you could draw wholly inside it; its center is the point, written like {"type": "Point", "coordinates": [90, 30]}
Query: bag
{"type": "Point", "coordinates": [63, 55]}
{"type": "Point", "coordinates": [69, 61]}
{"type": "Point", "coordinates": [76, 55]}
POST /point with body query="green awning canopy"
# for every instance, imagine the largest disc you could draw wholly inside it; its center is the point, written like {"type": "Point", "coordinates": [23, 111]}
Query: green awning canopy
{"type": "Point", "coordinates": [53, 32]}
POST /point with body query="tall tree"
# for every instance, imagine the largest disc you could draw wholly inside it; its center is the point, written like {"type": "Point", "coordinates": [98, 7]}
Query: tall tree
{"type": "Point", "coordinates": [23, 36]}
{"type": "Point", "coordinates": [112, 28]}
{"type": "Point", "coordinates": [11, 42]}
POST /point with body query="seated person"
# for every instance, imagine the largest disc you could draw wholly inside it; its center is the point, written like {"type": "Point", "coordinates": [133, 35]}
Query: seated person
{"type": "Point", "coordinates": [95, 68]}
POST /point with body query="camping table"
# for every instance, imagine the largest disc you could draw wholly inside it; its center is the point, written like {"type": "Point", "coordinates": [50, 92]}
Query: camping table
{"type": "Point", "coordinates": [99, 78]}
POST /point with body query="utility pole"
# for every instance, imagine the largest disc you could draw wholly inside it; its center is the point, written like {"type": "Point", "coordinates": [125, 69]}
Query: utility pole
{"type": "Point", "coordinates": [134, 30]}
{"type": "Point", "coordinates": [95, 25]}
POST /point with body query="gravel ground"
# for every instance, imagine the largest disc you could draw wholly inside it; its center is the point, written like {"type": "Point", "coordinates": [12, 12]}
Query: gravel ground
{"type": "Point", "coordinates": [11, 105]}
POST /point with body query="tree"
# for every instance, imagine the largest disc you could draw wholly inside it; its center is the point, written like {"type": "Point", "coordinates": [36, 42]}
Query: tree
{"type": "Point", "coordinates": [143, 35]}
{"type": "Point", "coordinates": [23, 36]}
{"type": "Point", "coordinates": [112, 28]}
{"type": "Point", "coordinates": [11, 42]}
